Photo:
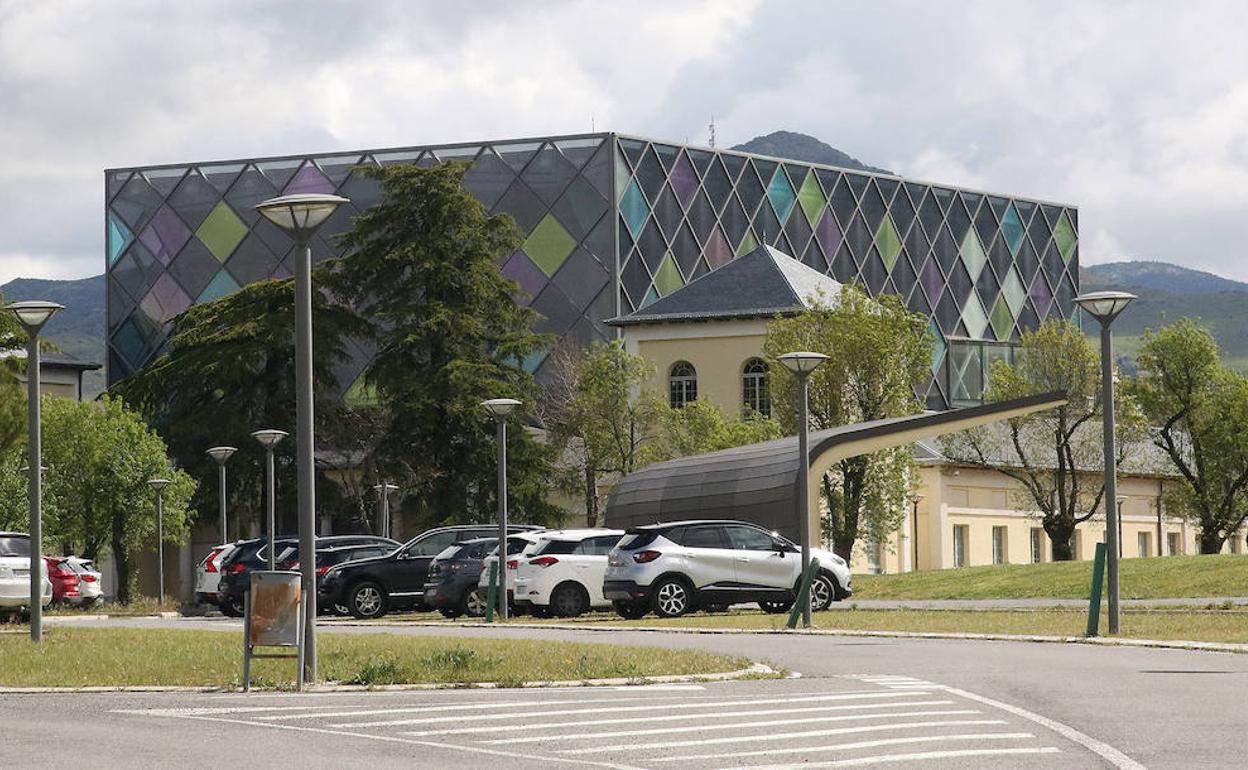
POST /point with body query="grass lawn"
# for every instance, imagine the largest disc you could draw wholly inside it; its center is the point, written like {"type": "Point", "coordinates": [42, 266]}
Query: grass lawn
{"type": "Point", "coordinates": [76, 657]}
{"type": "Point", "coordinates": [1167, 577]}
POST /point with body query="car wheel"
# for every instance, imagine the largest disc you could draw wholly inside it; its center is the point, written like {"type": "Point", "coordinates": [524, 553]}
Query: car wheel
{"type": "Point", "coordinates": [630, 610]}
{"type": "Point", "coordinates": [231, 607]}
{"type": "Point", "coordinates": [450, 612]}
{"type": "Point", "coordinates": [366, 600]}
{"type": "Point", "coordinates": [474, 603]}
{"type": "Point", "coordinates": [775, 608]}
{"type": "Point", "coordinates": [822, 592]}
{"type": "Point", "coordinates": [569, 600]}
{"type": "Point", "coordinates": [671, 597]}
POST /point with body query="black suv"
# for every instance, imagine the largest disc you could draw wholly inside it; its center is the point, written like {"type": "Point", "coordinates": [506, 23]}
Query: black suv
{"type": "Point", "coordinates": [369, 588]}
{"type": "Point", "coordinates": [253, 554]}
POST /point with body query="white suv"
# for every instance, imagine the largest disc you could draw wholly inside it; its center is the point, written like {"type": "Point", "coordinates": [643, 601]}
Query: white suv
{"type": "Point", "coordinates": [15, 574]}
{"type": "Point", "coordinates": [678, 567]}
{"type": "Point", "coordinates": [563, 574]}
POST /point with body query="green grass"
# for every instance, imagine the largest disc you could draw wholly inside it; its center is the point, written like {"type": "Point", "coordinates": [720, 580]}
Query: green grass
{"type": "Point", "coordinates": [78, 657]}
{"type": "Point", "coordinates": [1170, 577]}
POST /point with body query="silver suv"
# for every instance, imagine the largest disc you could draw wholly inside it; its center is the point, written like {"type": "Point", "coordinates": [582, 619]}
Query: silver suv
{"type": "Point", "coordinates": [681, 566]}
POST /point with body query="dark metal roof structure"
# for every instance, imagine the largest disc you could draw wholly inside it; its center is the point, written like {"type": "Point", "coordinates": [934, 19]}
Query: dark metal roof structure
{"type": "Point", "coordinates": [758, 482]}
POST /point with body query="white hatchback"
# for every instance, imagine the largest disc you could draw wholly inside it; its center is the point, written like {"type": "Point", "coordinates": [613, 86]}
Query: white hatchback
{"type": "Point", "coordinates": [15, 574]}
{"type": "Point", "coordinates": [563, 574]}
{"type": "Point", "coordinates": [208, 574]}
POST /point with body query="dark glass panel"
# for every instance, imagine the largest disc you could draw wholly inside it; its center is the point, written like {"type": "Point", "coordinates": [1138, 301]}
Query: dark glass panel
{"type": "Point", "coordinates": [813, 257]}
{"type": "Point", "coordinates": [999, 256]}
{"type": "Point", "coordinates": [667, 155]}
{"type": "Point", "coordinates": [1027, 319]}
{"type": "Point", "coordinates": [598, 171]}
{"type": "Point", "coordinates": [750, 190]}
{"type": "Point", "coordinates": [987, 288]}
{"type": "Point", "coordinates": [579, 150]}
{"type": "Point", "coordinates": [221, 175]}
{"type": "Point", "coordinates": [515, 155]}
{"type": "Point", "coordinates": [338, 167]}
{"type": "Point", "coordinates": [1038, 232]}
{"type": "Point", "coordinates": [364, 191]}
{"type": "Point", "coordinates": [558, 310]}
{"type": "Point", "coordinates": [916, 191]}
{"type": "Point", "coordinates": [652, 246]}
{"type": "Point", "coordinates": [971, 201]}
{"type": "Point", "coordinates": [916, 243]}
{"type": "Point", "coordinates": [548, 173]}
{"type": "Point", "coordinates": [686, 250]}
{"type": "Point", "coordinates": [843, 267]}
{"type": "Point", "coordinates": [137, 202]}
{"type": "Point", "coordinates": [119, 303]}
{"type": "Point", "coordinates": [734, 221]}
{"type": "Point", "coordinates": [599, 242]}
{"type": "Point", "coordinates": [115, 181]}
{"type": "Point", "coordinates": [998, 205]}
{"type": "Point", "coordinates": [625, 241]}
{"type": "Point", "coordinates": [902, 212]}
{"type": "Point", "coordinates": [1051, 260]}
{"type": "Point", "coordinates": [668, 212]}
{"type": "Point", "coordinates": [1027, 260]}
{"type": "Point", "coordinates": [872, 206]}
{"type": "Point", "coordinates": [701, 216]}
{"type": "Point", "coordinates": [195, 267]}
{"type": "Point", "coordinates": [250, 188]}
{"type": "Point", "coordinates": [273, 236]}
{"type": "Point", "coordinates": [943, 197]}
{"type": "Point", "coordinates": [843, 202]}
{"type": "Point", "coordinates": [701, 160]}
{"type": "Point", "coordinates": [487, 180]}
{"type": "Point", "coordinates": [903, 274]}
{"type": "Point", "coordinates": [718, 250]}
{"type": "Point", "coordinates": [888, 187]}
{"type": "Point", "coordinates": [528, 276]}
{"type": "Point", "coordinates": [309, 179]}
{"type": "Point", "coordinates": [164, 180]}
{"type": "Point", "coordinates": [797, 174]}
{"type": "Point", "coordinates": [947, 314]}
{"type": "Point", "coordinates": [523, 205]}
{"type": "Point", "coordinates": [858, 236]}
{"type": "Point", "coordinates": [633, 150]}
{"type": "Point", "coordinates": [945, 249]}
{"type": "Point", "coordinates": [858, 183]}
{"type": "Point", "coordinates": [766, 226]}
{"type": "Point", "coordinates": [582, 277]}
{"type": "Point", "coordinates": [930, 215]}
{"type": "Point", "coordinates": [828, 233]}
{"type": "Point", "coordinates": [252, 261]}
{"type": "Point", "coordinates": [650, 175]}
{"type": "Point", "coordinates": [959, 282]}
{"type": "Point", "coordinates": [1025, 210]}
{"type": "Point", "coordinates": [580, 208]}
{"type": "Point", "coordinates": [635, 276]}
{"type": "Point", "coordinates": [1051, 213]}
{"type": "Point", "coordinates": [827, 179]}
{"type": "Point", "coordinates": [684, 180]}
{"type": "Point", "coordinates": [717, 185]}
{"type": "Point", "coordinates": [734, 164]}
{"type": "Point", "coordinates": [932, 280]}
{"type": "Point", "coordinates": [873, 272]}
{"type": "Point", "coordinates": [985, 224]}
{"type": "Point", "coordinates": [959, 222]}
{"type": "Point", "coordinates": [798, 231]}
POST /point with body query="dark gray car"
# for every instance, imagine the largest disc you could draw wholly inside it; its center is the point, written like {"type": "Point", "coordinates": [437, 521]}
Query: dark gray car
{"type": "Point", "coordinates": [453, 575]}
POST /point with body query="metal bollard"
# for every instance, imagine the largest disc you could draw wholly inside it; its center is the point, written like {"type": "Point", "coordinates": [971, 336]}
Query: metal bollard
{"type": "Point", "coordinates": [1094, 596]}
{"type": "Point", "coordinates": [803, 595]}
{"type": "Point", "coordinates": [492, 593]}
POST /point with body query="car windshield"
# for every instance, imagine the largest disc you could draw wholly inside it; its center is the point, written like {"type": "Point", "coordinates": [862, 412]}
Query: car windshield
{"type": "Point", "coordinates": [15, 546]}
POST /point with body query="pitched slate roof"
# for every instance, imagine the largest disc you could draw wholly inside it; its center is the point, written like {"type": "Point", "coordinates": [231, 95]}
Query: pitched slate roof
{"type": "Point", "coordinates": [763, 283]}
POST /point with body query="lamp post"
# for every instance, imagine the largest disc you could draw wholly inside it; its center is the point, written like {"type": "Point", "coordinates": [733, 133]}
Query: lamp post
{"type": "Point", "coordinates": [500, 408]}
{"type": "Point", "coordinates": [802, 364]}
{"type": "Point", "coordinates": [32, 315]}
{"type": "Point", "coordinates": [383, 490]}
{"type": "Point", "coordinates": [221, 454]}
{"type": "Point", "coordinates": [269, 439]}
{"type": "Point", "coordinates": [159, 485]}
{"type": "Point", "coordinates": [300, 216]}
{"type": "Point", "coordinates": [914, 531]}
{"type": "Point", "coordinates": [1105, 306]}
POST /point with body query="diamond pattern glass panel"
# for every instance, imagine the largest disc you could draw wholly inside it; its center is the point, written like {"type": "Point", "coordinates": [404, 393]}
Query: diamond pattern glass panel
{"type": "Point", "coordinates": [972, 255]}
{"type": "Point", "coordinates": [165, 235]}
{"type": "Point", "coordinates": [887, 242]}
{"type": "Point", "coordinates": [974, 318]}
{"type": "Point", "coordinates": [1012, 230]}
{"type": "Point", "coordinates": [1002, 320]}
{"type": "Point", "coordinates": [634, 209]}
{"type": "Point", "coordinates": [1064, 237]}
{"type": "Point", "coordinates": [780, 191]}
{"type": "Point", "coordinates": [119, 238]}
{"type": "Point", "coordinates": [549, 245]}
{"type": "Point", "coordinates": [221, 231]}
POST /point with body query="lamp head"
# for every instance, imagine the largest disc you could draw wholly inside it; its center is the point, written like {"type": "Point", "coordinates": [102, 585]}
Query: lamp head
{"type": "Point", "coordinates": [221, 453]}
{"type": "Point", "coordinates": [802, 362]}
{"type": "Point", "coordinates": [300, 215]}
{"type": "Point", "coordinates": [269, 438]}
{"type": "Point", "coordinates": [158, 484]}
{"type": "Point", "coordinates": [386, 487]}
{"type": "Point", "coordinates": [500, 407]}
{"type": "Point", "coordinates": [1104, 306]}
{"type": "Point", "coordinates": [33, 314]}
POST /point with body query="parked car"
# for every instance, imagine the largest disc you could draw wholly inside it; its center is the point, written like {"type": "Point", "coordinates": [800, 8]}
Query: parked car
{"type": "Point", "coordinates": [452, 584]}
{"type": "Point", "coordinates": [91, 582]}
{"type": "Point", "coordinates": [15, 574]}
{"type": "Point", "coordinates": [208, 573]}
{"type": "Point", "coordinates": [369, 588]}
{"type": "Point", "coordinates": [563, 575]}
{"type": "Point", "coordinates": [71, 582]}
{"type": "Point", "coordinates": [253, 554]}
{"type": "Point", "coordinates": [331, 556]}
{"type": "Point", "coordinates": [519, 545]}
{"type": "Point", "coordinates": [674, 568]}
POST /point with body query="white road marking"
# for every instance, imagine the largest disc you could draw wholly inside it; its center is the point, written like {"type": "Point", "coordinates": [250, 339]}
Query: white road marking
{"type": "Point", "coordinates": [362, 711]}
{"type": "Point", "coordinates": [665, 717]}
{"type": "Point", "coordinates": [660, 687]}
{"type": "Point", "coordinates": [917, 757]}
{"type": "Point", "coordinates": [1103, 750]}
{"type": "Point", "coordinates": [613, 710]}
{"type": "Point", "coordinates": [785, 736]}
{"type": "Point", "coordinates": [850, 746]}
{"type": "Point", "coordinates": [734, 726]}
{"type": "Point", "coordinates": [212, 710]}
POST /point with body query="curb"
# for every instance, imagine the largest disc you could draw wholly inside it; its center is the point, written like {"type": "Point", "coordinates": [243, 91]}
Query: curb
{"type": "Point", "coordinates": [755, 669]}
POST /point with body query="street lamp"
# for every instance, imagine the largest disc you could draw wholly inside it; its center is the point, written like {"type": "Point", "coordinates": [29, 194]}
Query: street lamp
{"type": "Point", "coordinates": [803, 363]}
{"type": "Point", "coordinates": [1105, 306]}
{"type": "Point", "coordinates": [32, 315]}
{"type": "Point", "coordinates": [914, 531]}
{"type": "Point", "coordinates": [299, 216]}
{"type": "Point", "coordinates": [384, 489]}
{"type": "Point", "coordinates": [500, 408]}
{"type": "Point", "coordinates": [221, 454]}
{"type": "Point", "coordinates": [269, 439]}
{"type": "Point", "coordinates": [159, 485]}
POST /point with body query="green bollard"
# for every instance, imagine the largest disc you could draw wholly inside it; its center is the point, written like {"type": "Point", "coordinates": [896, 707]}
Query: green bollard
{"type": "Point", "coordinates": [492, 593]}
{"type": "Point", "coordinates": [1094, 596]}
{"type": "Point", "coordinates": [803, 595]}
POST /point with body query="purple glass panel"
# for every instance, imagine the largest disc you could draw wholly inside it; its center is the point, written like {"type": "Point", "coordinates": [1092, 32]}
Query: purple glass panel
{"type": "Point", "coordinates": [828, 233]}
{"type": "Point", "coordinates": [165, 235]}
{"type": "Point", "coordinates": [932, 280]}
{"type": "Point", "coordinates": [309, 180]}
{"type": "Point", "coordinates": [170, 295]}
{"type": "Point", "coordinates": [530, 277]}
{"type": "Point", "coordinates": [1041, 295]}
{"type": "Point", "coordinates": [718, 252]}
{"type": "Point", "coordinates": [684, 180]}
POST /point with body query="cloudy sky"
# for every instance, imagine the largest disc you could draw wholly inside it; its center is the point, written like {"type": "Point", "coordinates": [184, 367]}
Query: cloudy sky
{"type": "Point", "coordinates": [1136, 112]}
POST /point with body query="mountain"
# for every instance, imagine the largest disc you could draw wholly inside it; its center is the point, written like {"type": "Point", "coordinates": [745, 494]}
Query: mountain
{"type": "Point", "coordinates": [790, 144]}
{"type": "Point", "coordinates": [1168, 292]}
{"type": "Point", "coordinates": [78, 329]}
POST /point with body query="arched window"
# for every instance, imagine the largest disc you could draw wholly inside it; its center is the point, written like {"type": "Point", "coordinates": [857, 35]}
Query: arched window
{"type": "Point", "coordinates": [682, 384]}
{"type": "Point", "coordinates": [755, 390]}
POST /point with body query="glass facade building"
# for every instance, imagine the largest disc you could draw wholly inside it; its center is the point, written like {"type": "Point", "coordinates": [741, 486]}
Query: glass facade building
{"type": "Point", "coordinates": [612, 222]}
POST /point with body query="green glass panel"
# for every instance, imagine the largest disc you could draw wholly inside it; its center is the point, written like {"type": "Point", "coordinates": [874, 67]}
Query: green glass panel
{"type": "Point", "coordinates": [888, 242]}
{"type": "Point", "coordinates": [974, 317]}
{"type": "Point", "coordinates": [780, 191]}
{"type": "Point", "coordinates": [668, 279]}
{"type": "Point", "coordinates": [1013, 291]}
{"type": "Point", "coordinates": [1064, 237]}
{"type": "Point", "coordinates": [119, 237]}
{"type": "Point", "coordinates": [222, 231]}
{"type": "Point", "coordinates": [634, 208]}
{"type": "Point", "coordinates": [748, 243]}
{"type": "Point", "coordinates": [549, 245]}
{"type": "Point", "coordinates": [1002, 320]}
{"type": "Point", "coordinates": [221, 285]}
{"type": "Point", "coordinates": [811, 198]}
{"type": "Point", "coordinates": [361, 393]}
{"type": "Point", "coordinates": [972, 254]}
{"type": "Point", "coordinates": [1012, 229]}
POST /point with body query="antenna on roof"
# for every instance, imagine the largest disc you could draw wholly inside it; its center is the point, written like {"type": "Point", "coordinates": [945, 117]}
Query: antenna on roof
{"type": "Point", "coordinates": [593, 126]}
{"type": "Point", "coordinates": [710, 127]}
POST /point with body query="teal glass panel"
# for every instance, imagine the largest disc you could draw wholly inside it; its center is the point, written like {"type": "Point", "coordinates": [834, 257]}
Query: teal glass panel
{"type": "Point", "coordinates": [119, 237]}
{"type": "Point", "coordinates": [782, 197]}
{"type": "Point", "coordinates": [221, 285]}
{"type": "Point", "coordinates": [1012, 229]}
{"type": "Point", "coordinates": [634, 208]}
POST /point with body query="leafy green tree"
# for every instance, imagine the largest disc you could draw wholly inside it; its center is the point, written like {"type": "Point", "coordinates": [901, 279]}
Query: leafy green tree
{"type": "Point", "coordinates": [879, 355]}
{"type": "Point", "coordinates": [699, 427]}
{"type": "Point", "coordinates": [14, 508]}
{"type": "Point", "coordinates": [228, 370]}
{"type": "Point", "coordinates": [421, 266]}
{"type": "Point", "coordinates": [1056, 456]}
{"type": "Point", "coordinates": [1200, 408]}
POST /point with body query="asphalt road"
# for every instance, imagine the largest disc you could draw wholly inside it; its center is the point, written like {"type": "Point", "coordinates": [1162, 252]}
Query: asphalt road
{"type": "Point", "coordinates": [899, 702]}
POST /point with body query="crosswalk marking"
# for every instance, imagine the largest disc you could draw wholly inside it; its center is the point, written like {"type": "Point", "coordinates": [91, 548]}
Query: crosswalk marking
{"type": "Point", "coordinates": [734, 726]}
{"type": "Point", "coordinates": [786, 736]}
{"type": "Point", "coordinates": [849, 746]}
{"type": "Point", "coordinates": [448, 707]}
{"type": "Point", "coordinates": [666, 717]}
{"type": "Point", "coordinates": [917, 757]}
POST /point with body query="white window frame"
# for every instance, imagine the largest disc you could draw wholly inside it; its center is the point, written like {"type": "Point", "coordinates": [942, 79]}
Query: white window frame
{"type": "Point", "coordinates": [682, 384]}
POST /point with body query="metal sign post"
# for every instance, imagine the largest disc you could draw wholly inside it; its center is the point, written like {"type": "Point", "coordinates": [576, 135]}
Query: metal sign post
{"type": "Point", "coordinates": [273, 617]}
